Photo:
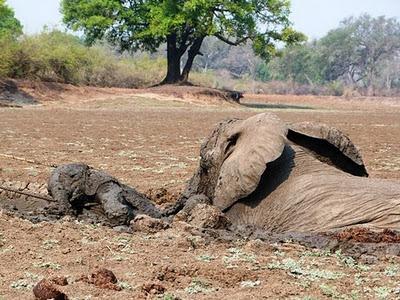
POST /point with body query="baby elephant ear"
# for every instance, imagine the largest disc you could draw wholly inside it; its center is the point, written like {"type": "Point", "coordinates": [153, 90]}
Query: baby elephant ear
{"type": "Point", "coordinates": [329, 145]}
{"type": "Point", "coordinates": [256, 141]}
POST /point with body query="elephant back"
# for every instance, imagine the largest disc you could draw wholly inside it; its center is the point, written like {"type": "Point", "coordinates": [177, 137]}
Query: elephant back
{"type": "Point", "coordinates": [94, 179]}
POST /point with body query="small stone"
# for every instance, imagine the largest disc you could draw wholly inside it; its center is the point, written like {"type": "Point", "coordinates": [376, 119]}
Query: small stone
{"type": "Point", "coordinates": [66, 251]}
{"type": "Point", "coordinates": [67, 219]}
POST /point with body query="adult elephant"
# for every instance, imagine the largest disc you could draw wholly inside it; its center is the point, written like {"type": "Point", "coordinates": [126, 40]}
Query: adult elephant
{"type": "Point", "coordinates": [304, 177]}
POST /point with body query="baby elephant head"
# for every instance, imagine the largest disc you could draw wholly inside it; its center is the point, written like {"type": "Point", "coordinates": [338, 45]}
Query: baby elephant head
{"type": "Point", "coordinates": [237, 153]}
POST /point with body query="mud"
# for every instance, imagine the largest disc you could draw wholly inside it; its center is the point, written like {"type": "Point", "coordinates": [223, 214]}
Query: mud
{"type": "Point", "coordinates": [212, 225]}
{"type": "Point", "coordinates": [162, 196]}
{"type": "Point", "coordinates": [153, 144]}
{"type": "Point", "coordinates": [365, 235]}
{"type": "Point", "coordinates": [332, 242]}
{"type": "Point", "coordinates": [12, 96]}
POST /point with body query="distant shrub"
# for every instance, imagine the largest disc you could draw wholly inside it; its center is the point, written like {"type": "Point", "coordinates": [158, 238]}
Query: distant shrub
{"type": "Point", "coordinates": [50, 56]}
{"type": "Point", "coordinates": [108, 69]}
{"type": "Point", "coordinates": [57, 56]}
{"type": "Point", "coordinates": [208, 79]}
{"type": "Point", "coordinates": [222, 79]}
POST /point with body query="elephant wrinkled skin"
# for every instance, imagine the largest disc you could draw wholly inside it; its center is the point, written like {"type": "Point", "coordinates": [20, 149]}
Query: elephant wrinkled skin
{"type": "Point", "coordinates": [301, 177]}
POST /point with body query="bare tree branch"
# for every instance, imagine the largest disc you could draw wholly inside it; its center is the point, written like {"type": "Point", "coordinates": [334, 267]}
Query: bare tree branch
{"type": "Point", "coordinates": [232, 43]}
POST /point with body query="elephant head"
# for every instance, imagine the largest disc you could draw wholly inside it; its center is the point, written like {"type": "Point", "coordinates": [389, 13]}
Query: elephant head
{"type": "Point", "coordinates": [235, 156]}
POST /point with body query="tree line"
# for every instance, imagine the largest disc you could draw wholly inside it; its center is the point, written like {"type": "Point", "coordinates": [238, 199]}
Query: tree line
{"type": "Point", "coordinates": [362, 54]}
{"type": "Point", "coordinates": [235, 40]}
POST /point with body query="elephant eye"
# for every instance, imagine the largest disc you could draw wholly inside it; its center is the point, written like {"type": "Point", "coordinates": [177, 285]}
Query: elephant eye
{"type": "Point", "coordinates": [231, 142]}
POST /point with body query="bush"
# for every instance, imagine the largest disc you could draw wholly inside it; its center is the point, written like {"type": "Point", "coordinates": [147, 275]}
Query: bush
{"type": "Point", "coordinates": [8, 47]}
{"type": "Point", "coordinates": [57, 56]}
{"type": "Point", "coordinates": [107, 69]}
{"type": "Point", "coordinates": [50, 56]}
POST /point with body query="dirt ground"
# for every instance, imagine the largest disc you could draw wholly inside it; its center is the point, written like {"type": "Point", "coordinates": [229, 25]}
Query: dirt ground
{"type": "Point", "coordinates": [150, 140]}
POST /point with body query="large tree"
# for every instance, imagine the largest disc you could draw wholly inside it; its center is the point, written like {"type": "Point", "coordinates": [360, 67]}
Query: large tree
{"type": "Point", "coordinates": [182, 25]}
{"type": "Point", "coordinates": [9, 25]}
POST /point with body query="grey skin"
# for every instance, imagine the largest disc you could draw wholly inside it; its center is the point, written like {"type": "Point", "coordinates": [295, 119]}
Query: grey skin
{"type": "Point", "coordinates": [75, 185]}
{"type": "Point", "coordinates": [302, 177]}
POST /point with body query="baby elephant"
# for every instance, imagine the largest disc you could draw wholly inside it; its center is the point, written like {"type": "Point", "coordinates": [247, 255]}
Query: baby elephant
{"type": "Point", "coordinates": [77, 184]}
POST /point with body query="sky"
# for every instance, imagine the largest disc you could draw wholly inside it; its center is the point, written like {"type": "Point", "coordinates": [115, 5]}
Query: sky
{"type": "Point", "coordinates": [312, 17]}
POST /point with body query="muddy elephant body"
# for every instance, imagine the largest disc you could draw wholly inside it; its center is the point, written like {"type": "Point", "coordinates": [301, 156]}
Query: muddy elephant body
{"type": "Point", "coordinates": [75, 185]}
{"type": "Point", "coordinates": [302, 177]}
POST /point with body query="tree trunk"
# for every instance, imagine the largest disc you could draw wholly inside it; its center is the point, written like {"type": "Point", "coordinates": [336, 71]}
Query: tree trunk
{"type": "Point", "coordinates": [174, 61]}
{"type": "Point", "coordinates": [193, 51]}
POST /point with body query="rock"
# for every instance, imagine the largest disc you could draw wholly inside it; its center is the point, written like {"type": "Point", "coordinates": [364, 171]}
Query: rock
{"type": "Point", "coordinates": [204, 216]}
{"type": "Point", "coordinates": [46, 289]}
{"type": "Point", "coordinates": [190, 204]}
{"type": "Point", "coordinates": [148, 224]}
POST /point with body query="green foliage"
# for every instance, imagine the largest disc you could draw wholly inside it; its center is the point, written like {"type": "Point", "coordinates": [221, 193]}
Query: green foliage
{"type": "Point", "coordinates": [183, 24]}
{"type": "Point", "coordinates": [8, 47]}
{"type": "Point", "coordinates": [263, 72]}
{"type": "Point", "coordinates": [298, 64]}
{"type": "Point", "coordinates": [297, 269]}
{"type": "Point", "coordinates": [329, 291]}
{"type": "Point", "coordinates": [9, 25]}
{"type": "Point", "coordinates": [197, 286]}
{"type": "Point", "coordinates": [361, 53]}
{"type": "Point", "coordinates": [50, 56]}
{"type": "Point", "coordinates": [358, 49]}
{"type": "Point", "coordinates": [60, 57]}
{"type": "Point", "coordinates": [146, 24]}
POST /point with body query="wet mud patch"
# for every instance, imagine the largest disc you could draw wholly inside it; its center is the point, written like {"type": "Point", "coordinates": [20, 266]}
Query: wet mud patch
{"type": "Point", "coordinates": [162, 196]}
{"type": "Point", "coordinates": [365, 235]}
{"type": "Point", "coordinates": [355, 242]}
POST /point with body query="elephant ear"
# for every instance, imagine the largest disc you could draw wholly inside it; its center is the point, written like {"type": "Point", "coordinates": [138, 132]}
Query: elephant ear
{"type": "Point", "coordinates": [329, 145]}
{"type": "Point", "coordinates": [252, 143]}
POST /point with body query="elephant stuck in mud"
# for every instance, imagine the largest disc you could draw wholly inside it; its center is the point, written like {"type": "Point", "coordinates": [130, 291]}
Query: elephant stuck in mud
{"type": "Point", "coordinates": [260, 171]}
{"type": "Point", "coordinates": [75, 185]}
